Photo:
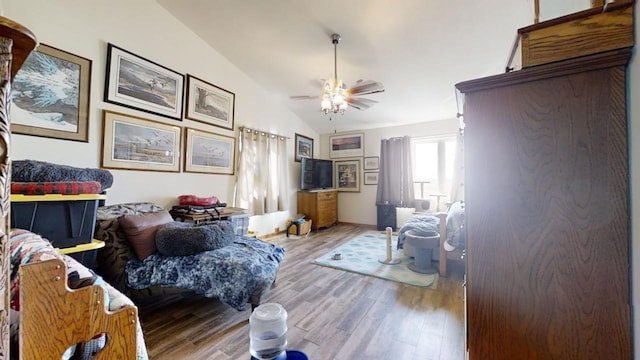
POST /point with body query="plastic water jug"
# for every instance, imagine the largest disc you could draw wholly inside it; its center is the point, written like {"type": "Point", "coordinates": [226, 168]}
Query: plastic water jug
{"type": "Point", "coordinates": [268, 332]}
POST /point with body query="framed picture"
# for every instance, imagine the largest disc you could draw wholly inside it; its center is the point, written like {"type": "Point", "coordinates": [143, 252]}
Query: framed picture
{"type": "Point", "coordinates": [371, 177]}
{"type": "Point", "coordinates": [347, 175]}
{"type": "Point", "coordinates": [134, 143]}
{"type": "Point", "coordinates": [50, 95]}
{"type": "Point", "coordinates": [304, 147]}
{"type": "Point", "coordinates": [209, 104]}
{"type": "Point", "coordinates": [371, 163]}
{"type": "Point", "coordinates": [140, 84]}
{"type": "Point", "coordinates": [209, 153]}
{"type": "Point", "coordinates": [351, 145]}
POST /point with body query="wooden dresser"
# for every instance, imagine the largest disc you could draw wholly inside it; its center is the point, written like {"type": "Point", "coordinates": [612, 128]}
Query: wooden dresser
{"type": "Point", "coordinates": [321, 206]}
{"type": "Point", "coordinates": [547, 197]}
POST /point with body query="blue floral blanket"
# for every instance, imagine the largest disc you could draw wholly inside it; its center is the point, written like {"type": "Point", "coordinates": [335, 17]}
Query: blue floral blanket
{"type": "Point", "coordinates": [231, 273]}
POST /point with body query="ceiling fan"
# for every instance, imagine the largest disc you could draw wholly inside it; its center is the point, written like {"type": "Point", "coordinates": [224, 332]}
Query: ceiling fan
{"type": "Point", "coordinates": [335, 94]}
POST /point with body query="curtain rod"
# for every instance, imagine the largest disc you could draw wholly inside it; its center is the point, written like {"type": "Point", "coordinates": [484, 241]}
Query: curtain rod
{"type": "Point", "coordinates": [244, 128]}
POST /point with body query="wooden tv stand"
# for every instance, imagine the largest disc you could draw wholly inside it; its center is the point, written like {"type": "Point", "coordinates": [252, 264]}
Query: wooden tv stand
{"type": "Point", "coordinates": [321, 206]}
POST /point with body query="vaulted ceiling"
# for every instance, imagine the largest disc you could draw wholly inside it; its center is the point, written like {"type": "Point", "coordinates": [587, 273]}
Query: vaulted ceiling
{"type": "Point", "coordinates": [418, 49]}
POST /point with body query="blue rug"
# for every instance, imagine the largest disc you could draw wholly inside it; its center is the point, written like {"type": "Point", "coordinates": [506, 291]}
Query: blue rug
{"type": "Point", "coordinates": [361, 255]}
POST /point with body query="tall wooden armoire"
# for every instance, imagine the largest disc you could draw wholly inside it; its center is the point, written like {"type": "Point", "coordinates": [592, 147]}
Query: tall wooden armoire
{"type": "Point", "coordinates": [547, 210]}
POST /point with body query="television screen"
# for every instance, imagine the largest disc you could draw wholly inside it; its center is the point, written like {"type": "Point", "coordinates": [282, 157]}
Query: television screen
{"type": "Point", "coordinates": [316, 174]}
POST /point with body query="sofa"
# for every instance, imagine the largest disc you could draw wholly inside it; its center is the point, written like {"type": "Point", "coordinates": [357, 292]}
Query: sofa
{"type": "Point", "coordinates": [238, 271]}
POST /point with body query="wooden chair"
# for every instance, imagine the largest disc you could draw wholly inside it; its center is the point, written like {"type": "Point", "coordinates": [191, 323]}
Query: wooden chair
{"type": "Point", "coordinates": [54, 317]}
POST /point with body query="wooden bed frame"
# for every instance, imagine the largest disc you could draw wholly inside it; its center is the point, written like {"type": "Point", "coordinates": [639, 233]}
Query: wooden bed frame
{"type": "Point", "coordinates": [54, 317]}
{"type": "Point", "coordinates": [456, 254]}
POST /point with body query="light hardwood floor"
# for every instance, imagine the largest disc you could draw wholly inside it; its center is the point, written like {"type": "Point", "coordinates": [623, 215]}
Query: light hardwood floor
{"type": "Point", "coordinates": [333, 314]}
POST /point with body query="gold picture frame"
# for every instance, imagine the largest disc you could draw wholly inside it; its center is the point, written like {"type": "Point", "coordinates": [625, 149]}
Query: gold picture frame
{"type": "Point", "coordinates": [50, 95]}
{"type": "Point", "coordinates": [209, 152]}
{"type": "Point", "coordinates": [134, 143]}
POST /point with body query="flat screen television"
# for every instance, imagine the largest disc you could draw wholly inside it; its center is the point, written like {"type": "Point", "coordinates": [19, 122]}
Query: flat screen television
{"type": "Point", "coordinates": [316, 174]}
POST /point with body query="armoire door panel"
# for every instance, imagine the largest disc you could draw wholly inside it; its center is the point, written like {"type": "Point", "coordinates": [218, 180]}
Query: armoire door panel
{"type": "Point", "coordinates": [547, 213]}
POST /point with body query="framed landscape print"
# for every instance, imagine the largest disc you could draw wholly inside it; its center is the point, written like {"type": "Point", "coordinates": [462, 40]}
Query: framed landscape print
{"type": "Point", "coordinates": [351, 145]}
{"type": "Point", "coordinates": [209, 153]}
{"type": "Point", "coordinates": [304, 147]}
{"type": "Point", "coordinates": [371, 163]}
{"type": "Point", "coordinates": [140, 84]}
{"type": "Point", "coordinates": [50, 95]}
{"type": "Point", "coordinates": [347, 175]}
{"type": "Point", "coordinates": [371, 178]}
{"type": "Point", "coordinates": [209, 104]}
{"type": "Point", "coordinates": [134, 143]}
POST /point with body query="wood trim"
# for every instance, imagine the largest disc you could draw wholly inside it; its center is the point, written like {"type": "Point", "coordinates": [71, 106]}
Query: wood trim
{"type": "Point", "coordinates": [16, 43]}
{"type": "Point", "coordinates": [24, 41]}
{"type": "Point", "coordinates": [571, 66]}
{"type": "Point", "coordinates": [617, 5]}
{"type": "Point", "coordinates": [574, 36]}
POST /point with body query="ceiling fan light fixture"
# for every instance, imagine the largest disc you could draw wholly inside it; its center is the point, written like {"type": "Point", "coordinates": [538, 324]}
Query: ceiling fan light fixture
{"type": "Point", "coordinates": [325, 104]}
{"type": "Point", "coordinates": [336, 97]}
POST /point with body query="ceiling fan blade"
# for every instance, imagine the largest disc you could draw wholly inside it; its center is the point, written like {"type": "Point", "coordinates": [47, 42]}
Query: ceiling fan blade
{"type": "Point", "coordinates": [366, 87]}
{"type": "Point", "coordinates": [363, 100]}
{"type": "Point", "coordinates": [304, 97]}
{"type": "Point", "coordinates": [361, 104]}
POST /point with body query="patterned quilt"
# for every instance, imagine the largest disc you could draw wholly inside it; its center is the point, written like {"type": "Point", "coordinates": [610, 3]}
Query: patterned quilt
{"type": "Point", "coordinates": [231, 273]}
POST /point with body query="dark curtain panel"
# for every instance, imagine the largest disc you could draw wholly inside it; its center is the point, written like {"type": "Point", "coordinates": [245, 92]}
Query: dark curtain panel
{"type": "Point", "coordinates": [395, 182]}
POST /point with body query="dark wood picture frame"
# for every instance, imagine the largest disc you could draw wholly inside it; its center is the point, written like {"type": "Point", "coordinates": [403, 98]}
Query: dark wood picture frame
{"type": "Point", "coordinates": [209, 104]}
{"type": "Point", "coordinates": [371, 177]}
{"type": "Point", "coordinates": [141, 84]}
{"type": "Point", "coordinates": [303, 147]}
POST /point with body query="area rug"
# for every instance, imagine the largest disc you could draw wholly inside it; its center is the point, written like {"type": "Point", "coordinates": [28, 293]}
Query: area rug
{"type": "Point", "coordinates": [361, 255]}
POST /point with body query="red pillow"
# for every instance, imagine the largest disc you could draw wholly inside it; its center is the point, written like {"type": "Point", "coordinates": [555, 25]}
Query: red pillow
{"type": "Point", "coordinates": [141, 230]}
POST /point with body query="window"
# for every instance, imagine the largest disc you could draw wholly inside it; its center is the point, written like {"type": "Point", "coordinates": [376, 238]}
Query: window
{"type": "Point", "coordinates": [433, 161]}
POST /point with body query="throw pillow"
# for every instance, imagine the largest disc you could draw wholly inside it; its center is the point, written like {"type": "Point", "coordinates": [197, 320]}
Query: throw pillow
{"type": "Point", "coordinates": [141, 229]}
{"type": "Point", "coordinates": [180, 239]}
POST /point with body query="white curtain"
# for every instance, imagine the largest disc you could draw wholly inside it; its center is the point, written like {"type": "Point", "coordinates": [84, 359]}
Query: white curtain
{"type": "Point", "coordinates": [263, 175]}
{"type": "Point", "coordinates": [457, 182]}
{"type": "Point", "coordinates": [395, 181]}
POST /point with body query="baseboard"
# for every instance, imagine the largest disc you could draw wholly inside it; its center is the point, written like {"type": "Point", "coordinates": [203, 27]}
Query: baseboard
{"type": "Point", "coordinates": [368, 226]}
{"type": "Point", "coordinates": [270, 235]}
{"type": "Point", "coordinates": [278, 233]}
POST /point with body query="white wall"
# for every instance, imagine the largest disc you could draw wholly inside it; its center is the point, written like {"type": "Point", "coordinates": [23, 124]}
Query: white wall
{"type": "Point", "coordinates": [360, 208]}
{"type": "Point", "coordinates": [550, 9]}
{"type": "Point", "coordinates": [143, 27]}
